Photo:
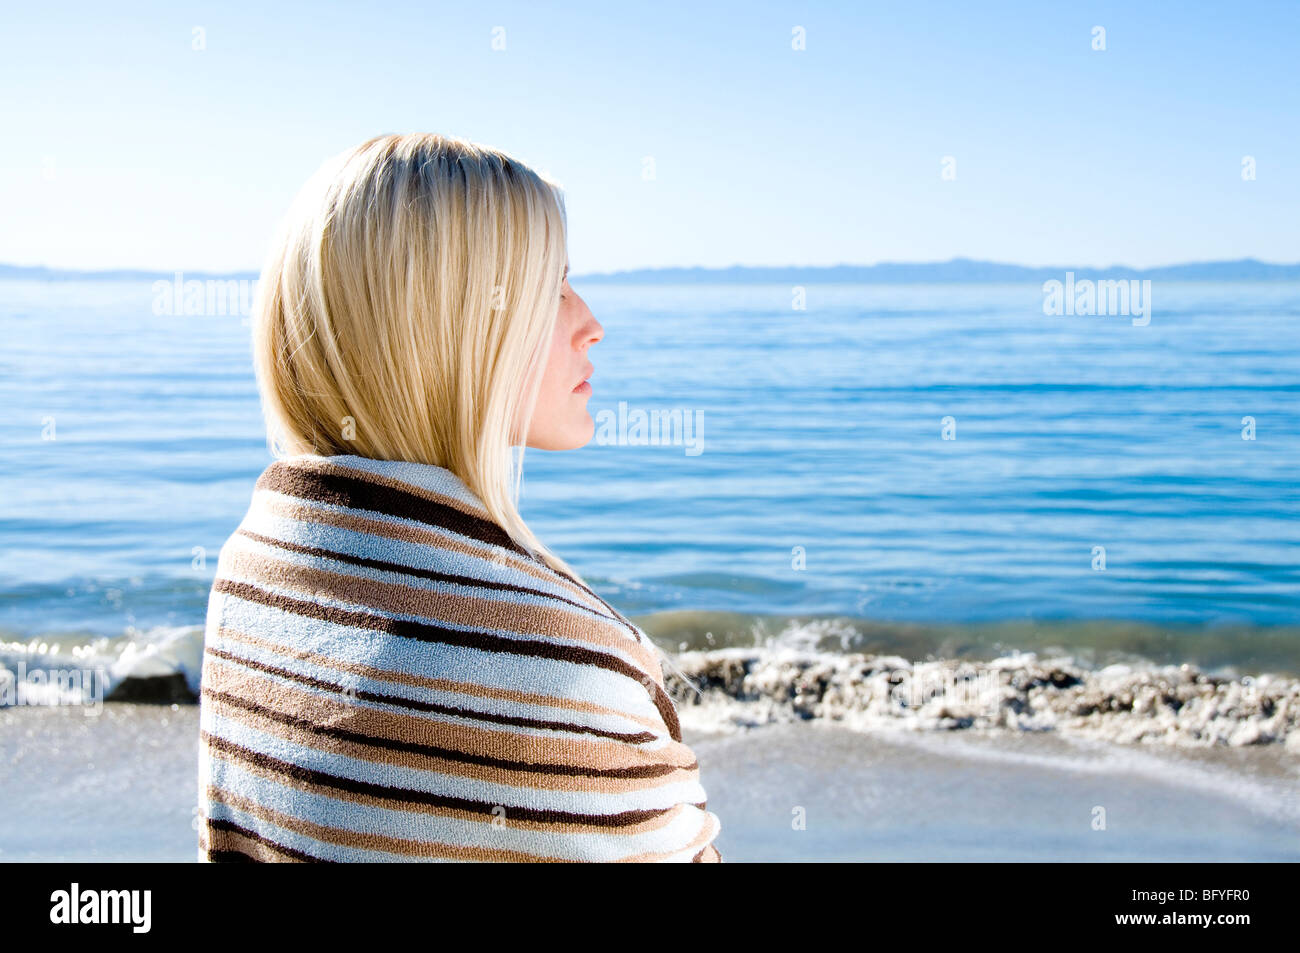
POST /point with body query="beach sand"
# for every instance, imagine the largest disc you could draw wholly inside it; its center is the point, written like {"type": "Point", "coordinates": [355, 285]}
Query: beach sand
{"type": "Point", "coordinates": [121, 785]}
{"type": "Point", "coordinates": [994, 796]}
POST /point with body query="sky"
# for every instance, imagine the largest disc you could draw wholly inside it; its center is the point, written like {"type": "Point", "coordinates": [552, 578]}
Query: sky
{"type": "Point", "coordinates": [122, 145]}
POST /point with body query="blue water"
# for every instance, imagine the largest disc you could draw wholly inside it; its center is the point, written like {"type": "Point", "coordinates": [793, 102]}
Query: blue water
{"type": "Point", "coordinates": [821, 429]}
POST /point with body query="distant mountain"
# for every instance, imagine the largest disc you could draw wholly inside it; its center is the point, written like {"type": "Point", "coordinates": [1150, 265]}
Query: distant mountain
{"type": "Point", "coordinates": [41, 273]}
{"type": "Point", "coordinates": [958, 270]}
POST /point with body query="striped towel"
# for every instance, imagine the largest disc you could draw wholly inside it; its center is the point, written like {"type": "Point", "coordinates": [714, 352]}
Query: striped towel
{"type": "Point", "coordinates": [387, 676]}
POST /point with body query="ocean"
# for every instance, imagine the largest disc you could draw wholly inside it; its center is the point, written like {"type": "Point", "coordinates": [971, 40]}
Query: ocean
{"type": "Point", "coordinates": [1096, 488]}
{"type": "Point", "coordinates": [868, 508]}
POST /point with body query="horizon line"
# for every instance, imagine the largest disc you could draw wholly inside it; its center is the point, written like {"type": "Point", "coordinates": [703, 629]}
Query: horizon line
{"type": "Point", "coordinates": [11, 271]}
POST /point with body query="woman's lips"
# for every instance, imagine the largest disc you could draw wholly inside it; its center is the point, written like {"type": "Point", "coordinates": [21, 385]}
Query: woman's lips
{"type": "Point", "coordinates": [584, 386]}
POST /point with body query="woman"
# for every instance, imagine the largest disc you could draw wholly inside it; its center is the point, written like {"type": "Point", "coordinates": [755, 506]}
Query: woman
{"type": "Point", "coordinates": [395, 667]}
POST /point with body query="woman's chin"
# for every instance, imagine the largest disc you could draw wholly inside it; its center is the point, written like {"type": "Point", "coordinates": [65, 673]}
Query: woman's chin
{"type": "Point", "coordinates": [577, 432]}
{"type": "Point", "coordinates": [584, 431]}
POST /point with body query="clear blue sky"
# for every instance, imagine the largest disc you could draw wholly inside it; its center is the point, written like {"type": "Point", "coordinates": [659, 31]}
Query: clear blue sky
{"type": "Point", "coordinates": [124, 147]}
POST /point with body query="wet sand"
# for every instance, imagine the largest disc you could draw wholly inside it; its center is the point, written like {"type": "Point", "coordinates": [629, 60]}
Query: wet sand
{"type": "Point", "coordinates": [122, 786]}
{"type": "Point", "coordinates": [975, 796]}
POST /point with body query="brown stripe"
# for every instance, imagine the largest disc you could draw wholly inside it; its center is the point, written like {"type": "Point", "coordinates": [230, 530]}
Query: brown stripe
{"type": "Point", "coordinates": [469, 613]}
{"type": "Point", "coordinates": [354, 738]}
{"type": "Point", "coordinates": [226, 856]}
{"type": "Point", "coordinates": [410, 796]}
{"type": "Point", "coordinates": [436, 634]}
{"type": "Point", "coordinates": [523, 560]}
{"type": "Point", "coordinates": [360, 840]}
{"type": "Point", "coordinates": [316, 717]}
{"type": "Point", "coordinates": [472, 506]}
{"type": "Point", "coordinates": [387, 764]}
{"type": "Point", "coordinates": [470, 610]}
{"type": "Point", "coordinates": [226, 837]}
{"type": "Point", "coordinates": [353, 492]}
{"type": "Point", "coordinates": [290, 508]}
{"type": "Point", "coordinates": [431, 707]}
{"type": "Point", "coordinates": [430, 574]}
{"type": "Point", "coordinates": [501, 814]}
{"type": "Point", "coordinates": [706, 833]}
{"type": "Point", "coordinates": [475, 689]}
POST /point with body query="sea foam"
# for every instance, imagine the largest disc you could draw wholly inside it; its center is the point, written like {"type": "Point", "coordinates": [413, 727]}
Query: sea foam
{"type": "Point", "coordinates": [736, 688]}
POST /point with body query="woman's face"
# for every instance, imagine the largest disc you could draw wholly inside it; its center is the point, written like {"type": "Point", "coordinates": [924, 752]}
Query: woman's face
{"type": "Point", "coordinates": [560, 420]}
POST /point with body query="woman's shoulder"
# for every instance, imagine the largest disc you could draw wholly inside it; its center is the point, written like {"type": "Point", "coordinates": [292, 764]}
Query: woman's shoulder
{"type": "Point", "coordinates": [332, 546]}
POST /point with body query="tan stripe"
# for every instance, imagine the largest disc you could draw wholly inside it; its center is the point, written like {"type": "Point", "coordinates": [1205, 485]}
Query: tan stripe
{"type": "Point", "coordinates": [362, 799]}
{"type": "Point", "coordinates": [707, 833]}
{"type": "Point", "coordinates": [412, 632]}
{"type": "Point", "coordinates": [336, 469]}
{"type": "Point", "coordinates": [437, 684]}
{"type": "Point", "coordinates": [408, 532]}
{"type": "Point", "coordinates": [360, 840]}
{"type": "Point", "coordinates": [219, 839]}
{"type": "Point", "coordinates": [597, 753]}
{"type": "Point", "coordinates": [471, 612]}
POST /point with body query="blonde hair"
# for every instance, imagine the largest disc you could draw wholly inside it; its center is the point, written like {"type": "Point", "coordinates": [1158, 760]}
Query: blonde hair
{"type": "Point", "coordinates": [406, 309]}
